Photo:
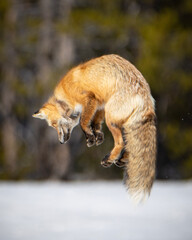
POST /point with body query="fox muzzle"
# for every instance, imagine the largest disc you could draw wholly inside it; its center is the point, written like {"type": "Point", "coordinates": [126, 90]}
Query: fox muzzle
{"type": "Point", "coordinates": [63, 136]}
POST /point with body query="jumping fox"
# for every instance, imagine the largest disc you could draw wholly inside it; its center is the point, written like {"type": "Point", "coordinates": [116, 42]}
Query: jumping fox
{"type": "Point", "coordinates": [109, 87]}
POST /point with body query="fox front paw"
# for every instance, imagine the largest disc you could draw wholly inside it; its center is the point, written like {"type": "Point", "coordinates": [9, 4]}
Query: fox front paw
{"type": "Point", "coordinates": [99, 138]}
{"type": "Point", "coordinates": [90, 139]}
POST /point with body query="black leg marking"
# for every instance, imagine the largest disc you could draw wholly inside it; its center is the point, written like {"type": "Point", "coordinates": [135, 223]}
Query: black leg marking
{"type": "Point", "coordinates": [99, 136]}
{"type": "Point", "coordinates": [123, 135]}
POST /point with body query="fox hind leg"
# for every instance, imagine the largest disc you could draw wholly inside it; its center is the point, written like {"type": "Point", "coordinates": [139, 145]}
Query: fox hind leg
{"type": "Point", "coordinates": [117, 111]}
{"type": "Point", "coordinates": [116, 152]}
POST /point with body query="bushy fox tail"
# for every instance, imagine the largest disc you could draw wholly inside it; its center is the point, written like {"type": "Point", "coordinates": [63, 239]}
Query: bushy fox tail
{"type": "Point", "coordinates": [140, 144]}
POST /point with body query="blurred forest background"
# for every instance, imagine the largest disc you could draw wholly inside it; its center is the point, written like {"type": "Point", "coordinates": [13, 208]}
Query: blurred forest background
{"type": "Point", "coordinates": [40, 40]}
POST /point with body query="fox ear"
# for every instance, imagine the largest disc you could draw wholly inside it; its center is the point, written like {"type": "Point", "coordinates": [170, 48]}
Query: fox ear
{"type": "Point", "coordinates": [39, 114]}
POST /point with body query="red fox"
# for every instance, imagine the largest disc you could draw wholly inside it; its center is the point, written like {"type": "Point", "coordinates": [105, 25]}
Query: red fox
{"type": "Point", "coordinates": [109, 87]}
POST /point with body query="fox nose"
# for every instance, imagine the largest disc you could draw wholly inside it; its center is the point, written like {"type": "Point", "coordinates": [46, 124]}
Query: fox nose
{"type": "Point", "coordinates": [63, 134]}
{"type": "Point", "coordinates": [61, 140]}
{"type": "Point", "coordinates": [64, 138]}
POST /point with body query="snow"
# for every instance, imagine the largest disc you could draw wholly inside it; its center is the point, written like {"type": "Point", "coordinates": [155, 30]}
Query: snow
{"type": "Point", "coordinates": [93, 211]}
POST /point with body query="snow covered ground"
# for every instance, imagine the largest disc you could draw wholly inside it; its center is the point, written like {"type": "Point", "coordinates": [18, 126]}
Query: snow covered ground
{"type": "Point", "coordinates": [93, 211]}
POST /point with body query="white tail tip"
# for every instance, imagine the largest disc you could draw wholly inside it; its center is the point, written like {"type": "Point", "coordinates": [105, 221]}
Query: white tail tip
{"type": "Point", "coordinates": [138, 197]}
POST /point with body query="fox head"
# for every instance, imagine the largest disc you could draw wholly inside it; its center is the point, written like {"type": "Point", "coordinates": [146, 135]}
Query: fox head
{"type": "Point", "coordinates": [59, 117]}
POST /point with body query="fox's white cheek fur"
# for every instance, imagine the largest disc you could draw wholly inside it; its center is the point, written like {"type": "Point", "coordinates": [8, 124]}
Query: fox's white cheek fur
{"type": "Point", "coordinates": [62, 121]}
{"type": "Point", "coordinates": [78, 108]}
{"type": "Point", "coordinates": [49, 123]}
